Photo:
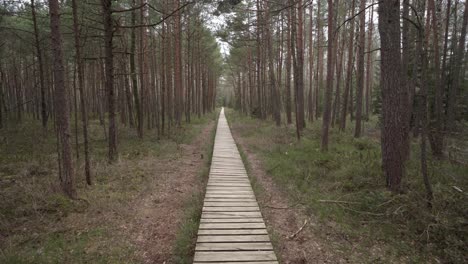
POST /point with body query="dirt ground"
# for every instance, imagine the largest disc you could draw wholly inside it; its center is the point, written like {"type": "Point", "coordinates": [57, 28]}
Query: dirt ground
{"type": "Point", "coordinates": [294, 239]}
{"type": "Point", "coordinates": [159, 212]}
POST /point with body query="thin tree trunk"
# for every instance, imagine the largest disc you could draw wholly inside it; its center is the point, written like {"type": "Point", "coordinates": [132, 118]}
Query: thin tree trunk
{"type": "Point", "coordinates": [41, 68]}
{"type": "Point", "coordinates": [349, 72]}
{"type": "Point", "coordinates": [109, 70]}
{"type": "Point", "coordinates": [330, 73]}
{"type": "Point", "coordinates": [81, 83]}
{"type": "Point", "coordinates": [288, 69]}
{"type": "Point", "coordinates": [360, 75]}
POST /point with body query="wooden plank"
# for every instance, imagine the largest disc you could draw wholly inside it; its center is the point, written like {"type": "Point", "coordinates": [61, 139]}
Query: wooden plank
{"type": "Point", "coordinates": [217, 195]}
{"type": "Point", "coordinates": [231, 209]}
{"type": "Point", "coordinates": [229, 204]}
{"type": "Point", "coordinates": [233, 246]}
{"type": "Point", "coordinates": [227, 192]}
{"type": "Point", "coordinates": [232, 226]}
{"type": "Point", "coordinates": [234, 238]}
{"type": "Point", "coordinates": [231, 214]}
{"type": "Point", "coordinates": [234, 256]}
{"type": "Point", "coordinates": [221, 199]}
{"type": "Point", "coordinates": [229, 188]}
{"type": "Point", "coordinates": [233, 220]}
{"type": "Point", "coordinates": [227, 184]}
{"type": "Point", "coordinates": [202, 232]}
{"type": "Point", "coordinates": [234, 262]}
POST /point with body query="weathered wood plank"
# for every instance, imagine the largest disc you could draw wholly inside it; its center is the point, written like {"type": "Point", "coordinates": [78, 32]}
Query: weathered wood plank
{"type": "Point", "coordinates": [232, 232]}
{"type": "Point", "coordinates": [231, 214]}
{"type": "Point", "coordinates": [231, 209]}
{"type": "Point", "coordinates": [234, 256]}
{"type": "Point", "coordinates": [207, 199]}
{"type": "Point", "coordinates": [230, 204]}
{"type": "Point", "coordinates": [232, 220]}
{"type": "Point", "coordinates": [233, 246]}
{"type": "Point", "coordinates": [232, 226]}
{"type": "Point", "coordinates": [234, 238]}
{"type": "Point", "coordinates": [243, 262]}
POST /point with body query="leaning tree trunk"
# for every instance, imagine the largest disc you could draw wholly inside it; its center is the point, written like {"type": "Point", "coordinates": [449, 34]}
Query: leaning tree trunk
{"type": "Point", "coordinates": [61, 103]}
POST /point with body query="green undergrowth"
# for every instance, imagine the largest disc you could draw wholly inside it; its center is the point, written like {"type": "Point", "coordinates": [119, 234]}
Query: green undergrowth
{"type": "Point", "coordinates": [40, 225]}
{"type": "Point", "coordinates": [344, 189]}
{"type": "Point", "coordinates": [184, 249]}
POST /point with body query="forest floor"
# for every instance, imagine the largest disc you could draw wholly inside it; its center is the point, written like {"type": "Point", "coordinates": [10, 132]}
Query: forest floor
{"type": "Point", "coordinates": [142, 209]}
{"type": "Point", "coordinates": [334, 208]}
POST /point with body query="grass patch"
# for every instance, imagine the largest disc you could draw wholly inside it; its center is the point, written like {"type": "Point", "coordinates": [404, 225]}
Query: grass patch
{"type": "Point", "coordinates": [40, 225]}
{"type": "Point", "coordinates": [345, 189]}
{"type": "Point", "coordinates": [184, 249]}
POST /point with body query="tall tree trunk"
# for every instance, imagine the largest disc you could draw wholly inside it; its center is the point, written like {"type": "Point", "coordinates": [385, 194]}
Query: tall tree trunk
{"type": "Point", "coordinates": [288, 70]}
{"type": "Point", "coordinates": [320, 55]}
{"type": "Point", "coordinates": [369, 70]}
{"type": "Point", "coordinates": [109, 70]}
{"type": "Point", "coordinates": [393, 135]}
{"type": "Point", "coordinates": [330, 73]}
{"type": "Point", "coordinates": [81, 83]}
{"type": "Point", "coordinates": [423, 92]}
{"type": "Point", "coordinates": [443, 82]}
{"type": "Point", "coordinates": [360, 75]}
{"type": "Point", "coordinates": [299, 76]}
{"type": "Point", "coordinates": [133, 74]}
{"type": "Point", "coordinates": [143, 70]}
{"type": "Point", "coordinates": [177, 64]}
{"type": "Point", "coordinates": [44, 116]}
{"type": "Point", "coordinates": [349, 72]}
{"type": "Point", "coordinates": [436, 137]}
{"type": "Point", "coordinates": [271, 70]}
{"type": "Point", "coordinates": [62, 104]}
{"type": "Point", "coordinates": [311, 67]}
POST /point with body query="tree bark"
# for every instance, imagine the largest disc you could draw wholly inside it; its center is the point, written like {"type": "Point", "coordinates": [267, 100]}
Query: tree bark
{"type": "Point", "coordinates": [330, 74]}
{"type": "Point", "coordinates": [44, 116]}
{"type": "Point", "coordinates": [81, 83]}
{"type": "Point", "coordinates": [109, 71]}
{"type": "Point", "coordinates": [349, 72]}
{"type": "Point", "coordinates": [61, 104]}
{"type": "Point", "coordinates": [393, 133]}
{"type": "Point", "coordinates": [360, 75]}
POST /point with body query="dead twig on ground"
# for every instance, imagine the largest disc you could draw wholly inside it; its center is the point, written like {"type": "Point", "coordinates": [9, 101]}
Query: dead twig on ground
{"type": "Point", "coordinates": [299, 230]}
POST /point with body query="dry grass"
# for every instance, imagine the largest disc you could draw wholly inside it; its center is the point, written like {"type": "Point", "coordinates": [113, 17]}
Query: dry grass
{"type": "Point", "coordinates": [39, 225]}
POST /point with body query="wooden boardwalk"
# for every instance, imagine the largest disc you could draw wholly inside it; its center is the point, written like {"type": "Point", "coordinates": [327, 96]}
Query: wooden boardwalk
{"type": "Point", "coordinates": [231, 229]}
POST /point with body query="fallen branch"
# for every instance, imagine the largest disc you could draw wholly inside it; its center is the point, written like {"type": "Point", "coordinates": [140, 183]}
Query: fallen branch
{"type": "Point", "coordinates": [298, 231]}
